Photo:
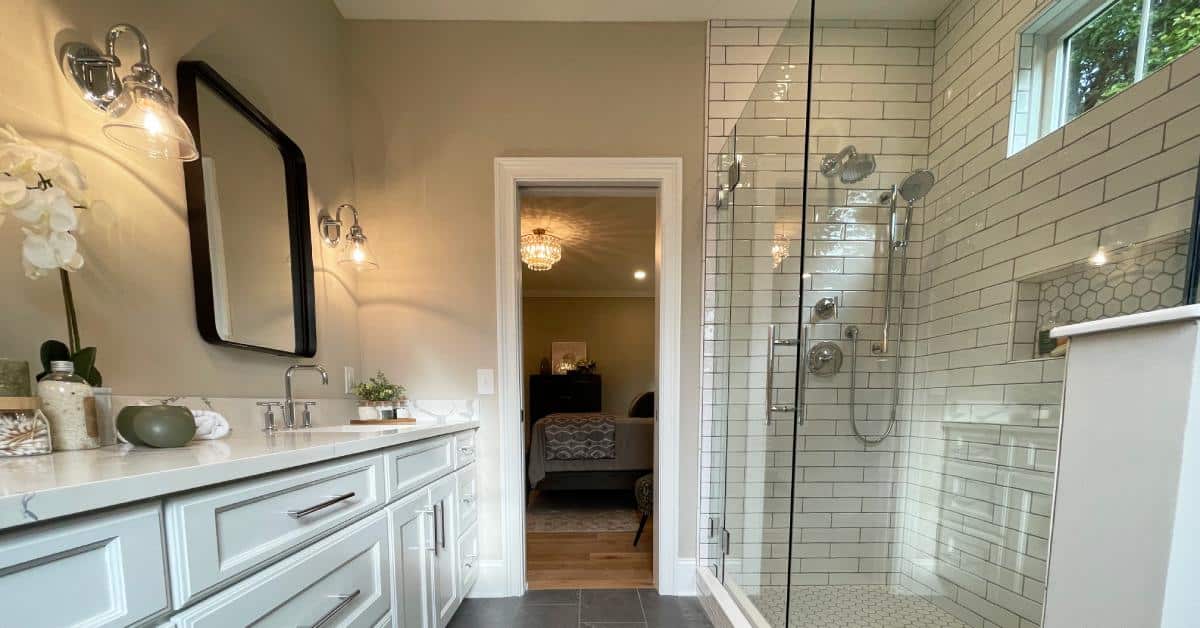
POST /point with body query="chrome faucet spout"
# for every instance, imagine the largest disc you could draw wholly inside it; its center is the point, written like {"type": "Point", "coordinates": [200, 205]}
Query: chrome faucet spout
{"type": "Point", "coordinates": [289, 404]}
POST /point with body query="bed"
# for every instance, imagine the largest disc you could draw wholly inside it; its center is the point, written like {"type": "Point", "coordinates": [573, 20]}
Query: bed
{"type": "Point", "coordinates": [589, 450]}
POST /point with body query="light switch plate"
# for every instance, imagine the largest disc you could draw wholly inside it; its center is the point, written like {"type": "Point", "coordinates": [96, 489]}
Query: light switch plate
{"type": "Point", "coordinates": [485, 381]}
{"type": "Point", "coordinates": [348, 377]}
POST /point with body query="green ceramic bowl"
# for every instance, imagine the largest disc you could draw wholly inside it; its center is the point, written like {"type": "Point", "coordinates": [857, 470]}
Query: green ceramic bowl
{"type": "Point", "coordinates": [156, 426]}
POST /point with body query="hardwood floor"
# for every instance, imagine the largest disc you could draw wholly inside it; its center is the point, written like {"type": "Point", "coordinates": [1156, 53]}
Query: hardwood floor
{"type": "Point", "coordinates": [589, 560]}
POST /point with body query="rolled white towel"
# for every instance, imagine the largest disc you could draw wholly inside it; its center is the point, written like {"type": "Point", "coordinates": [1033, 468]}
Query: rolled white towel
{"type": "Point", "coordinates": [210, 425]}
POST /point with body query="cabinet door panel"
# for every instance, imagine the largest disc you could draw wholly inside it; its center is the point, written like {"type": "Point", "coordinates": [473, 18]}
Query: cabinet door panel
{"type": "Point", "coordinates": [412, 553]}
{"type": "Point", "coordinates": [444, 496]}
{"type": "Point", "coordinates": [97, 570]}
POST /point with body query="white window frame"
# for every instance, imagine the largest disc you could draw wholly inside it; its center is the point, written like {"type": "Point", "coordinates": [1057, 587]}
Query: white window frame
{"type": "Point", "coordinates": [1051, 31]}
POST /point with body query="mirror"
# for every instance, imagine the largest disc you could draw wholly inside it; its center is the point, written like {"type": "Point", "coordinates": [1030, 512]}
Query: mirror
{"type": "Point", "coordinates": [247, 201]}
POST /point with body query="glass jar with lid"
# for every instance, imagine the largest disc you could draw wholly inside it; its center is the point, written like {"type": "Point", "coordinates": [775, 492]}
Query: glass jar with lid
{"type": "Point", "coordinates": [24, 430]}
{"type": "Point", "coordinates": [69, 403]}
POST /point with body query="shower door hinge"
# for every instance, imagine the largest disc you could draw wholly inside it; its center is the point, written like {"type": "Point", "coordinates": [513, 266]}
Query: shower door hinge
{"type": "Point", "coordinates": [712, 527]}
{"type": "Point", "coordinates": [724, 542]}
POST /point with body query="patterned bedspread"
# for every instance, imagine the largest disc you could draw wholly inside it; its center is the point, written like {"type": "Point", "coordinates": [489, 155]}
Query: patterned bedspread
{"type": "Point", "coordinates": [580, 436]}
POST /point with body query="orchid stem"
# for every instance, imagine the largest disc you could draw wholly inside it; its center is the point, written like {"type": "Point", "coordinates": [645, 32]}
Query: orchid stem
{"type": "Point", "coordinates": [69, 302]}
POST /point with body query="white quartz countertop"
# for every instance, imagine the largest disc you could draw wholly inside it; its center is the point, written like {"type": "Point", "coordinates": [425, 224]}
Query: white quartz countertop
{"type": "Point", "coordinates": [38, 488]}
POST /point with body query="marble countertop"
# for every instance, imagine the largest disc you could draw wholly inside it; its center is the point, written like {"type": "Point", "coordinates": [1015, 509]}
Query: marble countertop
{"type": "Point", "coordinates": [39, 488]}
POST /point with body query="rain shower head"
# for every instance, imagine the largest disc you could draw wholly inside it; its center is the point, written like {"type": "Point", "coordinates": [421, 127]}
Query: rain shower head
{"type": "Point", "coordinates": [848, 165]}
{"type": "Point", "coordinates": [916, 185]}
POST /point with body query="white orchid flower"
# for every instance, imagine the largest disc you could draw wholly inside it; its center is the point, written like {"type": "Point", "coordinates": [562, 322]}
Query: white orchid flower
{"type": "Point", "coordinates": [51, 207]}
{"type": "Point", "coordinates": [13, 191]}
{"type": "Point", "coordinates": [23, 159]}
{"type": "Point", "coordinates": [46, 252]}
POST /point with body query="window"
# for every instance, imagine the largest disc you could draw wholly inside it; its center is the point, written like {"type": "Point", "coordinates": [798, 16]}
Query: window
{"type": "Point", "coordinates": [1079, 54]}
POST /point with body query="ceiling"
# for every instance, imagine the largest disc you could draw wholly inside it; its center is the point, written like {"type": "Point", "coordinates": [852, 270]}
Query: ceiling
{"type": "Point", "coordinates": [605, 238]}
{"type": "Point", "coordinates": [632, 10]}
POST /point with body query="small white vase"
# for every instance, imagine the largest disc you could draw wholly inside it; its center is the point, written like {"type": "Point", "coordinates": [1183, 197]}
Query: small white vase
{"type": "Point", "coordinates": [368, 413]}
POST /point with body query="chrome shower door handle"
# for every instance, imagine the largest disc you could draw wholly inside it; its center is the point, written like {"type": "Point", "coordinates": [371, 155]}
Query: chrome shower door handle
{"type": "Point", "coordinates": [772, 342]}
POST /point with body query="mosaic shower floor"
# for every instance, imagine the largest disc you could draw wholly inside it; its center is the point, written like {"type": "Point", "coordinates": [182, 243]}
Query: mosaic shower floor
{"type": "Point", "coordinates": [853, 606]}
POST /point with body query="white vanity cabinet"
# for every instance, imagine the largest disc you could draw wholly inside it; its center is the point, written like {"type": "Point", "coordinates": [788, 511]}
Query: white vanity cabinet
{"type": "Point", "coordinates": [372, 539]}
{"type": "Point", "coordinates": [102, 570]}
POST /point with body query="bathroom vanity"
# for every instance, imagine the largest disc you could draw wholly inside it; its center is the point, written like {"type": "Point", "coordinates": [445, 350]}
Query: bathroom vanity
{"type": "Point", "coordinates": [331, 526]}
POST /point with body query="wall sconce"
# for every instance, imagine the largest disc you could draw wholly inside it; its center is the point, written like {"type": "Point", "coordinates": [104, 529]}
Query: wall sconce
{"type": "Point", "coordinates": [141, 112]}
{"type": "Point", "coordinates": [356, 252]}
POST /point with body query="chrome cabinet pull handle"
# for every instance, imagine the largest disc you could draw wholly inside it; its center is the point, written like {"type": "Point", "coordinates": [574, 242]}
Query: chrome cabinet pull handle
{"type": "Point", "coordinates": [468, 499]}
{"type": "Point", "coordinates": [470, 560]}
{"type": "Point", "coordinates": [442, 511]}
{"type": "Point", "coordinates": [467, 451]}
{"type": "Point", "coordinates": [432, 513]}
{"type": "Point", "coordinates": [296, 514]}
{"type": "Point", "coordinates": [346, 599]}
{"type": "Point", "coordinates": [436, 543]}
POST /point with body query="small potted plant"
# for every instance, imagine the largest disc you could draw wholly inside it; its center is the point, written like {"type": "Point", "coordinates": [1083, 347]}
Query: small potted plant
{"type": "Point", "coordinates": [378, 397]}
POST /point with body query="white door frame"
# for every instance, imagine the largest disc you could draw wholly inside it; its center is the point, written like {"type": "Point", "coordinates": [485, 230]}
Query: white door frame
{"type": "Point", "coordinates": [665, 173]}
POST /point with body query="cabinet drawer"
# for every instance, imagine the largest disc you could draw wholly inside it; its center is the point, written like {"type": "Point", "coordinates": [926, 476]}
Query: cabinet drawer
{"type": "Point", "coordinates": [464, 449]}
{"type": "Point", "coordinates": [412, 466]}
{"type": "Point", "coordinates": [216, 534]}
{"type": "Point", "coordinates": [99, 570]}
{"type": "Point", "coordinates": [468, 502]}
{"type": "Point", "coordinates": [344, 580]}
{"type": "Point", "coordinates": [468, 557]}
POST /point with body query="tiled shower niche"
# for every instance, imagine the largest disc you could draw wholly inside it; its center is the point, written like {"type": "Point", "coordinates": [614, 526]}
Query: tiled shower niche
{"type": "Point", "coordinates": [1138, 278]}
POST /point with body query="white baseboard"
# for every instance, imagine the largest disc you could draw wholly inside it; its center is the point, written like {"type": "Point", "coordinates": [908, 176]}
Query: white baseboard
{"type": "Point", "coordinates": [492, 581]}
{"type": "Point", "coordinates": [685, 577]}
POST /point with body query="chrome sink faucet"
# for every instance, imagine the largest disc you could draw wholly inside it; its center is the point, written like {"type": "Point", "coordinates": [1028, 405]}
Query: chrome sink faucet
{"type": "Point", "coordinates": [289, 404]}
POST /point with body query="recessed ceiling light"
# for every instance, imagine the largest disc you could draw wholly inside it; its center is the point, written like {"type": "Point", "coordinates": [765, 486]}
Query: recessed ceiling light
{"type": "Point", "coordinates": [639, 274]}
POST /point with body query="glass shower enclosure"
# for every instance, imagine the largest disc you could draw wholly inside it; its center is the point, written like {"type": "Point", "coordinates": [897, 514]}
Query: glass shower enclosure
{"type": "Point", "coordinates": [881, 395]}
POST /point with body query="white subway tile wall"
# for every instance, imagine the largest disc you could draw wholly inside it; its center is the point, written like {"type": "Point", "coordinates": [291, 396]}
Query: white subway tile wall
{"type": "Point", "coordinates": [956, 506]}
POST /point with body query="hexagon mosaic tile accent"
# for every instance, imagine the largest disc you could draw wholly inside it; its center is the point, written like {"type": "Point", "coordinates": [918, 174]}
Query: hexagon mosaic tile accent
{"type": "Point", "coordinates": [853, 606]}
{"type": "Point", "coordinates": [1150, 281]}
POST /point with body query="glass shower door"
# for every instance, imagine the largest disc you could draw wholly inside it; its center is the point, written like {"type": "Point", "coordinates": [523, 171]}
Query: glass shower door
{"type": "Point", "coordinates": [765, 256]}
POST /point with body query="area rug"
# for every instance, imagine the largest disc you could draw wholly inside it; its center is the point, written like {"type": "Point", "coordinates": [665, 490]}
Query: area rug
{"type": "Point", "coordinates": [581, 511]}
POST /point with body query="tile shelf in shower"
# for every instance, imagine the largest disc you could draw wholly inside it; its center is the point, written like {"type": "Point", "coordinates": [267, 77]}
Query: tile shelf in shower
{"type": "Point", "coordinates": [1137, 278]}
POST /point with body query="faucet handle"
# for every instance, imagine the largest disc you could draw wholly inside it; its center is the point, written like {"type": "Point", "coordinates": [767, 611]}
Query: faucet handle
{"type": "Point", "coordinates": [269, 414]}
{"type": "Point", "coordinates": [307, 413]}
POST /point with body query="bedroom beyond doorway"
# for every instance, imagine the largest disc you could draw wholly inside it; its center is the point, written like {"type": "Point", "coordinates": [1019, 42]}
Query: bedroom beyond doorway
{"type": "Point", "coordinates": [588, 328]}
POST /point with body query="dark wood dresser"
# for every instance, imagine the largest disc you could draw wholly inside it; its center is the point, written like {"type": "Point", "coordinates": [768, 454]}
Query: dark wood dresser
{"type": "Point", "coordinates": [563, 393]}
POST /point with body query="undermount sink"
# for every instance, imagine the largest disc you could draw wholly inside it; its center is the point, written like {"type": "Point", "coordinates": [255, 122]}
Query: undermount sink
{"type": "Point", "coordinates": [357, 428]}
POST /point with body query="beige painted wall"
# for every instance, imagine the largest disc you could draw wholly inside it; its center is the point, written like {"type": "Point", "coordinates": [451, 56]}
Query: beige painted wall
{"type": "Point", "coordinates": [134, 296]}
{"type": "Point", "coordinates": [433, 104]}
{"type": "Point", "coordinates": [619, 333]}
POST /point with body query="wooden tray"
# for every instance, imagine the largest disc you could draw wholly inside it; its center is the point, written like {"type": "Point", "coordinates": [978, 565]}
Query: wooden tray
{"type": "Point", "coordinates": [408, 421]}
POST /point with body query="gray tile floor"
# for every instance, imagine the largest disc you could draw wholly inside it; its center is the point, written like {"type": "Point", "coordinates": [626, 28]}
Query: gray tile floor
{"type": "Point", "coordinates": [625, 608]}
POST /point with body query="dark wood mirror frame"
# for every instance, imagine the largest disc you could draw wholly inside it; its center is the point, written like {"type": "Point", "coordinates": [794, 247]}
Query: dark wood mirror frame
{"type": "Point", "coordinates": [190, 74]}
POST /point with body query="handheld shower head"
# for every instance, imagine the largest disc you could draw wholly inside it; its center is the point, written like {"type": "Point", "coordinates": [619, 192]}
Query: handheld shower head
{"type": "Point", "coordinates": [916, 185]}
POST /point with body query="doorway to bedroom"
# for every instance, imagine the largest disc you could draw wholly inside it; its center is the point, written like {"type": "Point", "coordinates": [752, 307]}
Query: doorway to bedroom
{"type": "Point", "coordinates": [588, 342]}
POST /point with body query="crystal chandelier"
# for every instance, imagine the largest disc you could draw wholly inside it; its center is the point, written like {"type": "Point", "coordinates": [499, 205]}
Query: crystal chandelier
{"type": "Point", "coordinates": [540, 250]}
{"type": "Point", "coordinates": [780, 249]}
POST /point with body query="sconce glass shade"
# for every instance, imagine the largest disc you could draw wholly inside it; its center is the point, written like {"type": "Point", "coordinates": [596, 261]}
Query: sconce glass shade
{"type": "Point", "coordinates": [143, 118]}
{"type": "Point", "coordinates": [357, 253]}
{"type": "Point", "coordinates": [540, 251]}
